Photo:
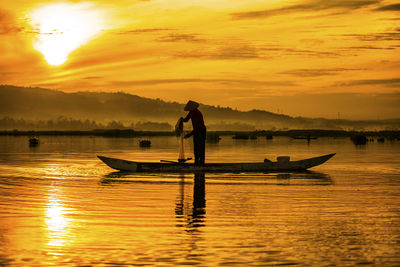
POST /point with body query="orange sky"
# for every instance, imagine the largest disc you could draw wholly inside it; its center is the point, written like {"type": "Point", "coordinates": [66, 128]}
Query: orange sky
{"type": "Point", "coordinates": [301, 57]}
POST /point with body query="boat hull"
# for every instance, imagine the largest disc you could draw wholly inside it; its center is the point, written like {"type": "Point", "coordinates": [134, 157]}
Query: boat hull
{"type": "Point", "coordinates": [133, 166]}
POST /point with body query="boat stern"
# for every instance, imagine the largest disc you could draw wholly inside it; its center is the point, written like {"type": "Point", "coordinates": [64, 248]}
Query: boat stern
{"type": "Point", "coordinates": [119, 164]}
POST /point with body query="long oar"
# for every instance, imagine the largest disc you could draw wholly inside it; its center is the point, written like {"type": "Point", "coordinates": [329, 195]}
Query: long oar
{"type": "Point", "coordinates": [171, 161]}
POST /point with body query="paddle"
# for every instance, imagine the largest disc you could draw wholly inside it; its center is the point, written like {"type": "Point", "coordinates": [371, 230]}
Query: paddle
{"type": "Point", "coordinates": [180, 160]}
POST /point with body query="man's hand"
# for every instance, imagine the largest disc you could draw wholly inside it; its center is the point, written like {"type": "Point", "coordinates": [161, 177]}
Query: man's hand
{"type": "Point", "coordinates": [187, 135]}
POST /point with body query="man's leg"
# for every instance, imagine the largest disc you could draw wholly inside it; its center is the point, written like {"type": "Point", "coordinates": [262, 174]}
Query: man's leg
{"type": "Point", "coordinates": [202, 147]}
{"type": "Point", "coordinates": [196, 148]}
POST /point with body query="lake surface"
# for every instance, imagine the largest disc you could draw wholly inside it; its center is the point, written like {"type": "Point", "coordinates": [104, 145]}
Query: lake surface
{"type": "Point", "coordinates": [61, 206]}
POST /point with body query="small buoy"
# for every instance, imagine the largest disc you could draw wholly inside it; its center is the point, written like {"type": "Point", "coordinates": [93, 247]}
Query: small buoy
{"type": "Point", "coordinates": [33, 141]}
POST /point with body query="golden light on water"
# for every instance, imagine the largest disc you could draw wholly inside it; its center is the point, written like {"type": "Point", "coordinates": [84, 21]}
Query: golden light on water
{"type": "Point", "coordinates": [56, 222]}
{"type": "Point", "coordinates": [63, 27]}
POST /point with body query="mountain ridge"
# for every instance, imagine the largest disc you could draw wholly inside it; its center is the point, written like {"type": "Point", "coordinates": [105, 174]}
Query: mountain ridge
{"type": "Point", "coordinates": [35, 103]}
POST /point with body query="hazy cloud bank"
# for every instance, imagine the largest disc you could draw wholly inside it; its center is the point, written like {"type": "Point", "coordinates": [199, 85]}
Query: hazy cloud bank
{"type": "Point", "coordinates": [307, 6]}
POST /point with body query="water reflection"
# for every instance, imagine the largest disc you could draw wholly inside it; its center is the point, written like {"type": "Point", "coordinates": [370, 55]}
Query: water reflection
{"type": "Point", "coordinates": [193, 215]}
{"type": "Point", "coordinates": [304, 178]}
{"type": "Point", "coordinates": [307, 178]}
{"type": "Point", "coordinates": [190, 216]}
{"type": "Point", "coordinates": [57, 224]}
{"type": "Point", "coordinates": [199, 200]}
{"type": "Point", "coordinates": [189, 209]}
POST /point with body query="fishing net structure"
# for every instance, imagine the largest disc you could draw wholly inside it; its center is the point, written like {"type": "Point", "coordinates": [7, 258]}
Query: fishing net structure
{"type": "Point", "coordinates": [180, 134]}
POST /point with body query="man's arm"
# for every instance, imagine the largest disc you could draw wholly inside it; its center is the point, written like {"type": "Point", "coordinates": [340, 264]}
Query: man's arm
{"type": "Point", "coordinates": [188, 134]}
{"type": "Point", "coordinates": [187, 118]}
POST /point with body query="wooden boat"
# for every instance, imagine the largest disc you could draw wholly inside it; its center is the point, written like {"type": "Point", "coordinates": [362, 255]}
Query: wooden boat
{"type": "Point", "coordinates": [282, 164]}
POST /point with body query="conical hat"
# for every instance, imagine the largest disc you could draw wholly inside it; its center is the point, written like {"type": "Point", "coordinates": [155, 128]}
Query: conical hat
{"type": "Point", "coordinates": [191, 105]}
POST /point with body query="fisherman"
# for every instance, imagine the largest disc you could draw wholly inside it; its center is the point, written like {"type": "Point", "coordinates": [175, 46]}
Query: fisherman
{"type": "Point", "coordinates": [199, 131]}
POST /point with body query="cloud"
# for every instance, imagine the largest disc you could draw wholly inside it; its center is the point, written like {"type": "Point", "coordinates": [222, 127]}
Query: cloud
{"type": "Point", "coordinates": [315, 72]}
{"type": "Point", "coordinates": [6, 72]}
{"type": "Point", "coordinates": [368, 47]}
{"type": "Point", "coordinates": [235, 52]}
{"type": "Point", "coordinates": [301, 52]}
{"type": "Point", "coordinates": [178, 37]}
{"type": "Point", "coordinates": [93, 77]}
{"type": "Point", "coordinates": [310, 52]}
{"type": "Point", "coordinates": [4, 75]}
{"type": "Point", "coordinates": [46, 85]}
{"type": "Point", "coordinates": [8, 24]}
{"type": "Point", "coordinates": [385, 36]}
{"type": "Point", "coordinates": [393, 82]}
{"type": "Point", "coordinates": [393, 7]}
{"type": "Point", "coordinates": [316, 5]}
{"type": "Point", "coordinates": [145, 30]}
{"type": "Point", "coordinates": [390, 19]}
{"type": "Point", "coordinates": [248, 51]}
{"type": "Point", "coordinates": [197, 80]}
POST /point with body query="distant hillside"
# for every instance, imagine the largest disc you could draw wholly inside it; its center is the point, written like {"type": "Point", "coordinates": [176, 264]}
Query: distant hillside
{"type": "Point", "coordinates": [43, 104]}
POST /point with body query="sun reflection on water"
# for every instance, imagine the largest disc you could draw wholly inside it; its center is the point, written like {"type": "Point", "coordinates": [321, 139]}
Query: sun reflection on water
{"type": "Point", "coordinates": [58, 225]}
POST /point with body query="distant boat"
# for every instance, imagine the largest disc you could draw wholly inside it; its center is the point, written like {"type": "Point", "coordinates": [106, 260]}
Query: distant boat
{"type": "Point", "coordinates": [213, 138]}
{"type": "Point", "coordinates": [282, 164]}
{"type": "Point", "coordinates": [359, 139]}
{"type": "Point", "coordinates": [145, 143]}
{"type": "Point", "coordinates": [241, 136]}
{"type": "Point", "coordinates": [33, 141]}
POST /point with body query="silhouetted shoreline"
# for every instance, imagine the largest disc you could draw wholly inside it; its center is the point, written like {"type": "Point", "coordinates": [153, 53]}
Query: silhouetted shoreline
{"type": "Point", "coordinates": [268, 134]}
{"type": "Point", "coordinates": [41, 109]}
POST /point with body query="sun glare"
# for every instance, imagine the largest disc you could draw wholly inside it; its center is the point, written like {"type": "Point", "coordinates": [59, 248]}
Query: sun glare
{"type": "Point", "coordinates": [63, 27]}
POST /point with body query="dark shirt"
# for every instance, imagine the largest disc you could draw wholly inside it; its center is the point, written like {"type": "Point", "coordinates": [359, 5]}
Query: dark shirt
{"type": "Point", "coordinates": [197, 120]}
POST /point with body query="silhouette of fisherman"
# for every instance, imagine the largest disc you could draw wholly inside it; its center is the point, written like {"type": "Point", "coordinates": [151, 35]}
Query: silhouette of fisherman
{"type": "Point", "coordinates": [199, 131]}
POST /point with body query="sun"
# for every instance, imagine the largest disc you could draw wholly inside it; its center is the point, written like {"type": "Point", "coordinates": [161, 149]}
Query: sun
{"type": "Point", "coordinates": [63, 27]}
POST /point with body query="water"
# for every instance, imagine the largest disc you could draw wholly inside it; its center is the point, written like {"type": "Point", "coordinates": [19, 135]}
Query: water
{"type": "Point", "coordinates": [60, 206]}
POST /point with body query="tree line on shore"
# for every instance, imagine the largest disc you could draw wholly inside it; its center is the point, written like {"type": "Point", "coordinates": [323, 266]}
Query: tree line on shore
{"type": "Point", "coordinates": [63, 123]}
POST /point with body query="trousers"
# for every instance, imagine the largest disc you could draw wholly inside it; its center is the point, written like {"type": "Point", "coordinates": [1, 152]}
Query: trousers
{"type": "Point", "coordinates": [199, 146]}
